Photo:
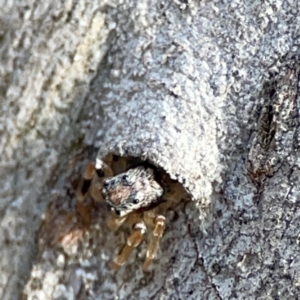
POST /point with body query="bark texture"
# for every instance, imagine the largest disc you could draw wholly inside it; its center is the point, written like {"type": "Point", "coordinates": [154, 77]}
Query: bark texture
{"type": "Point", "coordinates": [209, 91]}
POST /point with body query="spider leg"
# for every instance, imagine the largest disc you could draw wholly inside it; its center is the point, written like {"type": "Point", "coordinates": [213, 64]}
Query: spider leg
{"type": "Point", "coordinates": [175, 194]}
{"type": "Point", "coordinates": [102, 170]}
{"type": "Point", "coordinates": [93, 177]}
{"type": "Point", "coordinates": [85, 183]}
{"type": "Point", "coordinates": [114, 222]}
{"type": "Point", "coordinates": [159, 227]}
{"type": "Point", "coordinates": [132, 242]}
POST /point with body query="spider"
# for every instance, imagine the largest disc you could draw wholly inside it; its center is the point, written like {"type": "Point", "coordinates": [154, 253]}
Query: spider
{"type": "Point", "coordinates": [138, 197]}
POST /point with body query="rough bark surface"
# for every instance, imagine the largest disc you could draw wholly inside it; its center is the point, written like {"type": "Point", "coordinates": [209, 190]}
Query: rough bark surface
{"type": "Point", "coordinates": [207, 90]}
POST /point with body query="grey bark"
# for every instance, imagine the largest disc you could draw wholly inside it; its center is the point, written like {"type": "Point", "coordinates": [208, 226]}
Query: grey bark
{"type": "Point", "coordinates": [209, 91]}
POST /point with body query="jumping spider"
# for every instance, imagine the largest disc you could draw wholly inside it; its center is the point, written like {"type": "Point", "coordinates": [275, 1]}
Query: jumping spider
{"type": "Point", "coordinates": [138, 199]}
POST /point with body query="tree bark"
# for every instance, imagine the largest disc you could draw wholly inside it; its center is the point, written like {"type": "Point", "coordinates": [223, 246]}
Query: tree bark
{"type": "Point", "coordinates": [208, 91]}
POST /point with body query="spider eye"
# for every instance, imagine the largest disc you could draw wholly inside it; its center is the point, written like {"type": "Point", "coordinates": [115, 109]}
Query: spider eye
{"type": "Point", "coordinates": [105, 184]}
{"type": "Point", "coordinates": [117, 212]}
{"type": "Point", "coordinates": [125, 177]}
{"type": "Point", "coordinates": [135, 201]}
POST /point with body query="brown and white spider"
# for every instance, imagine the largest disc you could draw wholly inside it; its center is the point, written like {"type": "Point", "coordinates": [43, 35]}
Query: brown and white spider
{"type": "Point", "coordinates": [139, 197]}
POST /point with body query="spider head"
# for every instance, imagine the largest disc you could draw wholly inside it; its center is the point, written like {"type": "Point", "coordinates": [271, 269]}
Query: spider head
{"type": "Point", "coordinates": [131, 190]}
